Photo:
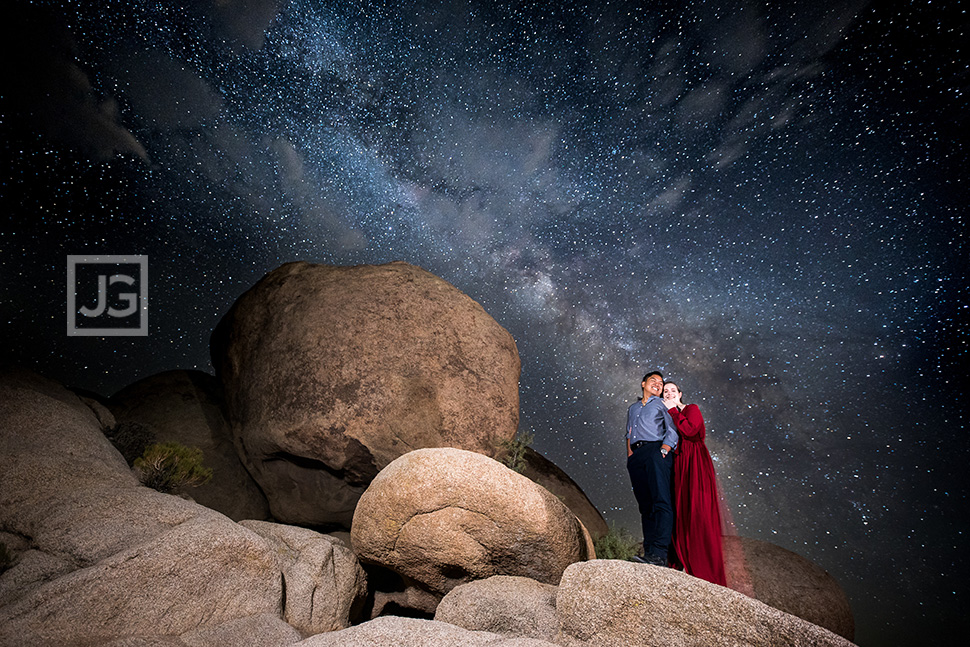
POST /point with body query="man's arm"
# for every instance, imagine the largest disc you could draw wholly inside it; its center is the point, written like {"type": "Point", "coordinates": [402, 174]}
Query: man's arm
{"type": "Point", "coordinates": [670, 434]}
{"type": "Point", "coordinates": [629, 431]}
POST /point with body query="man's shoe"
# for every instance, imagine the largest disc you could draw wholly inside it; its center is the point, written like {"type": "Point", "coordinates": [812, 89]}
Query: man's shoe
{"type": "Point", "coordinates": [656, 560]}
{"type": "Point", "coordinates": [638, 560]}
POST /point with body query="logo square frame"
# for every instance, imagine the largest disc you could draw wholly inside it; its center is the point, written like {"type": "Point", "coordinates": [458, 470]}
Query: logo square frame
{"type": "Point", "coordinates": [73, 260]}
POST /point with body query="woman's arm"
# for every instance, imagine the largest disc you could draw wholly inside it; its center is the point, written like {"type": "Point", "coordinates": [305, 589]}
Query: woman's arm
{"type": "Point", "coordinates": [689, 421]}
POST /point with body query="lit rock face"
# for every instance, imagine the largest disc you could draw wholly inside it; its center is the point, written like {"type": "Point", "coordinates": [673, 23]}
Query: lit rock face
{"type": "Point", "coordinates": [505, 605]}
{"type": "Point", "coordinates": [330, 373]}
{"type": "Point", "coordinates": [325, 584]}
{"type": "Point", "coordinates": [415, 632]}
{"type": "Point", "coordinates": [611, 602]}
{"type": "Point", "coordinates": [444, 517]}
{"type": "Point", "coordinates": [97, 556]}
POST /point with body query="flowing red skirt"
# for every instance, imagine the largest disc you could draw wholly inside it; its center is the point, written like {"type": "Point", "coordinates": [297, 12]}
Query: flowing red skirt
{"type": "Point", "coordinates": [697, 516]}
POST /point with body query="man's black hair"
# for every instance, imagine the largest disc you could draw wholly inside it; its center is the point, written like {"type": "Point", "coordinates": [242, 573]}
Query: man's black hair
{"type": "Point", "coordinates": [652, 373]}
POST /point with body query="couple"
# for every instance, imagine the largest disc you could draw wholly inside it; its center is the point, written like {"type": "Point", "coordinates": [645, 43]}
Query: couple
{"type": "Point", "coordinates": [673, 481]}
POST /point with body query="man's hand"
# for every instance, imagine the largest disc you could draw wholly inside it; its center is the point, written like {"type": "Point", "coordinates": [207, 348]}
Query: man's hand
{"type": "Point", "coordinates": [664, 449]}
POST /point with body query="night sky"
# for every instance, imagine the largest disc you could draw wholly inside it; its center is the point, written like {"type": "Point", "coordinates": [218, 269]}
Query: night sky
{"type": "Point", "coordinates": [762, 200]}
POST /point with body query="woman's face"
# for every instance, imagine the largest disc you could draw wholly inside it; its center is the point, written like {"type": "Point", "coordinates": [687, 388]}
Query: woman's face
{"type": "Point", "coordinates": [671, 392]}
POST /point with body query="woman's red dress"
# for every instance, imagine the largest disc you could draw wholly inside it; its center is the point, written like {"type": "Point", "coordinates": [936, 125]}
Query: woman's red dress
{"type": "Point", "coordinates": [697, 515]}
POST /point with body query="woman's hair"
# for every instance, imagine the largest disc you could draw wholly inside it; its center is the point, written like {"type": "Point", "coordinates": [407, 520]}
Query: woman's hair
{"type": "Point", "coordinates": [678, 387]}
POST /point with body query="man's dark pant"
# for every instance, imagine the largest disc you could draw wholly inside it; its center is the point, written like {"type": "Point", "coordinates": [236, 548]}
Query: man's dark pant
{"type": "Point", "coordinates": [650, 475]}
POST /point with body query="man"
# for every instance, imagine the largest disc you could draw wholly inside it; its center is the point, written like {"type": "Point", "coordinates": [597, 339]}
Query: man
{"type": "Point", "coordinates": [650, 437]}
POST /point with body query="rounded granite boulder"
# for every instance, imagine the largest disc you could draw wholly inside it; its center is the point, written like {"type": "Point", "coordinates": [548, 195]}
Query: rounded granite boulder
{"type": "Point", "coordinates": [444, 517]}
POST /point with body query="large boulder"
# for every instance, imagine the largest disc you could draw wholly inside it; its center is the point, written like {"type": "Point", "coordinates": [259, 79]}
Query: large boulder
{"type": "Point", "coordinates": [32, 568]}
{"type": "Point", "coordinates": [504, 604]}
{"type": "Point", "coordinates": [787, 581]}
{"type": "Point", "coordinates": [99, 557]}
{"type": "Point", "coordinates": [263, 630]}
{"type": "Point", "coordinates": [331, 373]}
{"type": "Point", "coordinates": [205, 571]}
{"type": "Point", "coordinates": [544, 472]}
{"type": "Point", "coordinates": [443, 517]}
{"type": "Point", "coordinates": [186, 407]}
{"type": "Point", "coordinates": [145, 641]}
{"type": "Point", "coordinates": [63, 485]}
{"type": "Point", "coordinates": [612, 602]}
{"type": "Point", "coordinates": [325, 584]}
{"type": "Point", "coordinates": [414, 632]}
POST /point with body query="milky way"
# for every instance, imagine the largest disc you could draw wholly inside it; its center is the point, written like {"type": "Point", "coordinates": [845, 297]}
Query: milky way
{"type": "Point", "coordinates": [761, 202]}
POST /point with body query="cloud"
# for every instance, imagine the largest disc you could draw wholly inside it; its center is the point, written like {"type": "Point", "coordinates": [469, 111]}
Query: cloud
{"type": "Point", "coordinates": [739, 42]}
{"type": "Point", "coordinates": [165, 94]}
{"type": "Point", "coordinates": [826, 29]}
{"type": "Point", "coordinates": [303, 194]}
{"type": "Point", "coordinates": [243, 22]}
{"type": "Point", "coordinates": [671, 197]}
{"type": "Point", "coordinates": [703, 105]}
{"type": "Point", "coordinates": [50, 93]}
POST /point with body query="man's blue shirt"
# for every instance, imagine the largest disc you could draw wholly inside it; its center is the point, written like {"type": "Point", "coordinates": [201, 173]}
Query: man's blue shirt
{"type": "Point", "coordinates": [650, 422]}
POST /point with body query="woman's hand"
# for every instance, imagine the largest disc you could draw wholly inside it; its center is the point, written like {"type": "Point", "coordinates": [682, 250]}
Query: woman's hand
{"type": "Point", "coordinates": [670, 403]}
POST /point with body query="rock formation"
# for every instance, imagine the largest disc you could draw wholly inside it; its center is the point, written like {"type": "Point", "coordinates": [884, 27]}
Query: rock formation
{"type": "Point", "coordinates": [599, 602]}
{"type": "Point", "coordinates": [100, 560]}
{"type": "Point", "coordinates": [503, 604]}
{"type": "Point", "coordinates": [325, 584]}
{"type": "Point", "coordinates": [788, 581]}
{"type": "Point", "coordinates": [186, 407]}
{"type": "Point", "coordinates": [610, 602]}
{"type": "Point", "coordinates": [544, 472]}
{"type": "Point", "coordinates": [104, 557]}
{"type": "Point", "coordinates": [413, 632]}
{"type": "Point", "coordinates": [205, 570]}
{"type": "Point", "coordinates": [330, 373]}
{"type": "Point", "coordinates": [443, 517]}
{"type": "Point", "coordinates": [261, 630]}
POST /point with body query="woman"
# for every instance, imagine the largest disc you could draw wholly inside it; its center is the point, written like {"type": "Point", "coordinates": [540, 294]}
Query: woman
{"type": "Point", "coordinates": [697, 518]}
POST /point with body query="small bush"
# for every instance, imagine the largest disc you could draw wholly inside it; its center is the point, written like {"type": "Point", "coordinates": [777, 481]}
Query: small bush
{"type": "Point", "coordinates": [515, 448]}
{"type": "Point", "coordinates": [618, 543]}
{"type": "Point", "coordinates": [167, 467]}
{"type": "Point", "coordinates": [131, 439]}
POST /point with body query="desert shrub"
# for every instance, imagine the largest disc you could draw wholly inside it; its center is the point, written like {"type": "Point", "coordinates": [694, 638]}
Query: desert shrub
{"type": "Point", "coordinates": [617, 543]}
{"type": "Point", "coordinates": [131, 439]}
{"type": "Point", "coordinates": [167, 467]}
{"type": "Point", "coordinates": [515, 450]}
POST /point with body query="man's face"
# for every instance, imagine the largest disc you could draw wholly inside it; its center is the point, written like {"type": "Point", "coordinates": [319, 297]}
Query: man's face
{"type": "Point", "coordinates": [653, 386]}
